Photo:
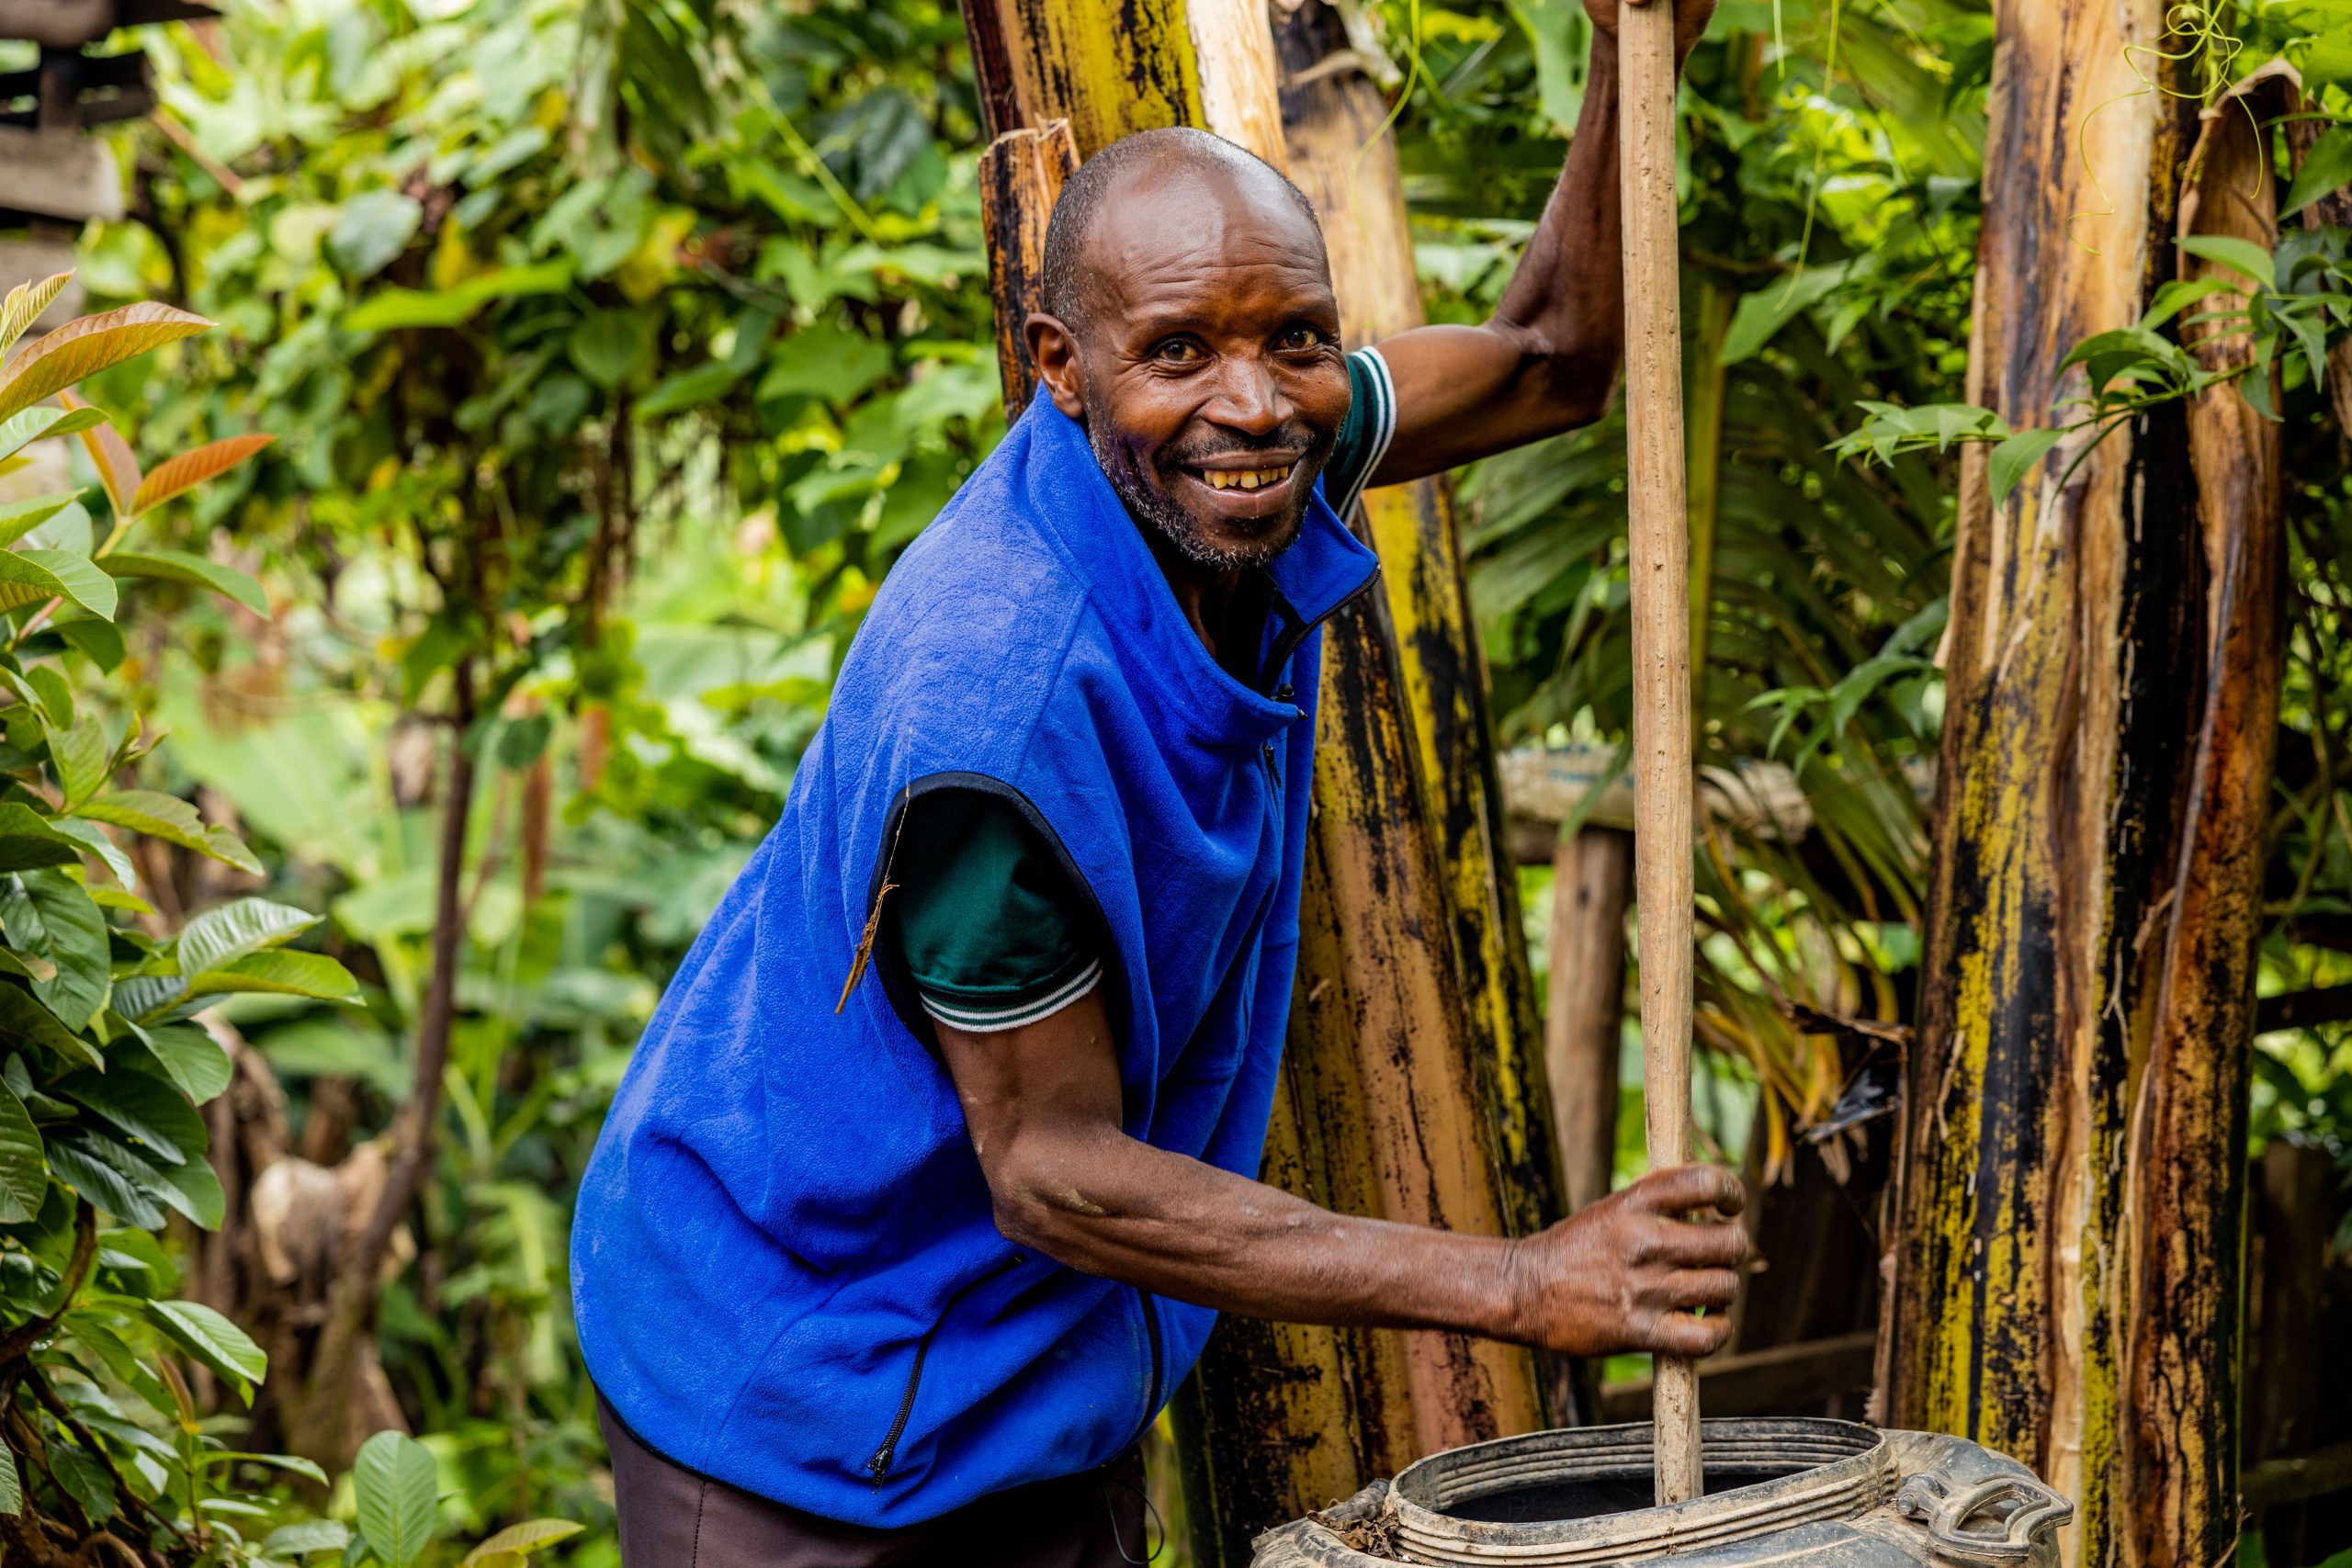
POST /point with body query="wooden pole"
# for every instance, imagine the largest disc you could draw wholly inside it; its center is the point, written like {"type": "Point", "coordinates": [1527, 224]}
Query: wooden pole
{"type": "Point", "coordinates": [1659, 543]}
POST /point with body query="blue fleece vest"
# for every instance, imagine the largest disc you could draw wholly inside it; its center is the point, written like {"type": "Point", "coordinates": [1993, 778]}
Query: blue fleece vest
{"type": "Point", "coordinates": [785, 1267]}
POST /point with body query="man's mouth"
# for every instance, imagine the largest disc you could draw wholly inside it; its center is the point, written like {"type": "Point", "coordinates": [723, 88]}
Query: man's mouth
{"type": "Point", "coordinates": [1246, 479]}
{"type": "Point", "coordinates": [1246, 488]}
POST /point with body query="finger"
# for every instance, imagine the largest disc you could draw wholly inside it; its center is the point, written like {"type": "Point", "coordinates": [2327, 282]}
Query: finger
{"type": "Point", "coordinates": [1692, 1339]}
{"type": "Point", "coordinates": [1687, 1288]}
{"type": "Point", "coordinates": [1687, 1187]}
{"type": "Point", "coordinates": [1694, 1243]}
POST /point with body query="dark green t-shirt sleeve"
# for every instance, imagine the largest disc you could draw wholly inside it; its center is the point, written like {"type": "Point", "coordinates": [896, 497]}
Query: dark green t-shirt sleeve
{"type": "Point", "coordinates": [992, 933]}
{"type": "Point", "coordinates": [1364, 434]}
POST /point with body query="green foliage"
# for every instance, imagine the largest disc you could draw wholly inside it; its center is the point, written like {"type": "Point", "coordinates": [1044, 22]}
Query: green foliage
{"type": "Point", "coordinates": [2290, 307]}
{"type": "Point", "coordinates": [100, 1137]}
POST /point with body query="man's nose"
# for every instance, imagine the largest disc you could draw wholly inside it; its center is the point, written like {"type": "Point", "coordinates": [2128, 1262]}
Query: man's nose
{"type": "Point", "coordinates": [1251, 397]}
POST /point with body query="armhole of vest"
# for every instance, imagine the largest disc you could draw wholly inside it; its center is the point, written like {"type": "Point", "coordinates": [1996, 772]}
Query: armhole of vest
{"type": "Point", "coordinates": [889, 964]}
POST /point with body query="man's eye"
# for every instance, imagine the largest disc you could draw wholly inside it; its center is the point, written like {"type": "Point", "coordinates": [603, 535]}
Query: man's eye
{"type": "Point", "coordinates": [1303, 337]}
{"type": "Point", "coordinates": [1177, 351]}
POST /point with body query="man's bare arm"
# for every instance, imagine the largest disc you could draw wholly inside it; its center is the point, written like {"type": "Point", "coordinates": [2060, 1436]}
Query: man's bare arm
{"type": "Point", "coordinates": [1043, 1105]}
{"type": "Point", "coordinates": [1547, 359]}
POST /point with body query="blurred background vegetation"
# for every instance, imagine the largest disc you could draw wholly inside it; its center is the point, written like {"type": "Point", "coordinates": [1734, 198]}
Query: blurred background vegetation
{"type": "Point", "coordinates": [613, 347]}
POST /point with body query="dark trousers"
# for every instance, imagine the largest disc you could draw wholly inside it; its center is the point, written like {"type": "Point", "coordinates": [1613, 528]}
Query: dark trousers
{"type": "Point", "coordinates": [671, 1518]}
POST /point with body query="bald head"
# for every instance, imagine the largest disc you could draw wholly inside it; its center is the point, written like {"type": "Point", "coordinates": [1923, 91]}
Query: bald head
{"type": "Point", "coordinates": [1173, 164]}
{"type": "Point", "coordinates": [1189, 324]}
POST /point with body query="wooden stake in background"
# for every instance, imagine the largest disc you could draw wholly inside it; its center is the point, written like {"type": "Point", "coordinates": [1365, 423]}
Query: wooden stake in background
{"type": "Point", "coordinates": [1660, 549]}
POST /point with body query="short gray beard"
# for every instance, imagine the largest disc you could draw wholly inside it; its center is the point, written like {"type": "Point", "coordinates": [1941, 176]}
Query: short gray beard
{"type": "Point", "coordinates": [1174, 523]}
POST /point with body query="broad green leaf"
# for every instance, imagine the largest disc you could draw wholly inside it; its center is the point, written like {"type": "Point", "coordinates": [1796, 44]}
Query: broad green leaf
{"type": "Point", "coordinates": [22, 309]}
{"type": "Point", "coordinates": [146, 1108]}
{"type": "Point", "coordinates": [1763, 313]}
{"type": "Point", "coordinates": [302, 1539]}
{"type": "Point", "coordinates": [191, 1057]}
{"type": "Point", "coordinates": [83, 1479]}
{"type": "Point", "coordinates": [49, 916]}
{"type": "Point", "coordinates": [2239, 255]}
{"type": "Point", "coordinates": [28, 577]}
{"type": "Point", "coordinates": [521, 1540]}
{"type": "Point", "coordinates": [80, 756]}
{"type": "Point", "coordinates": [295, 1463]}
{"type": "Point", "coordinates": [610, 346]}
{"type": "Point", "coordinates": [398, 1487]}
{"type": "Point", "coordinates": [395, 307]}
{"type": "Point", "coordinates": [24, 1167]}
{"type": "Point", "coordinates": [227, 932]}
{"type": "Point", "coordinates": [21, 431]}
{"type": "Point", "coordinates": [2327, 168]}
{"type": "Point", "coordinates": [373, 227]}
{"type": "Point", "coordinates": [21, 518]}
{"type": "Point", "coordinates": [287, 974]}
{"type": "Point", "coordinates": [190, 469]}
{"type": "Point", "coordinates": [2180, 294]}
{"type": "Point", "coordinates": [82, 348]}
{"type": "Point", "coordinates": [92, 837]}
{"type": "Point", "coordinates": [24, 1021]}
{"type": "Point", "coordinates": [170, 818]}
{"type": "Point", "coordinates": [689, 388]}
{"type": "Point", "coordinates": [824, 361]}
{"type": "Point", "coordinates": [12, 1486]}
{"type": "Point", "coordinates": [2017, 456]}
{"type": "Point", "coordinates": [210, 1338]}
{"type": "Point", "coordinates": [140, 998]}
{"type": "Point", "coordinates": [177, 566]}
{"type": "Point", "coordinates": [28, 840]}
{"type": "Point", "coordinates": [98, 641]}
{"type": "Point", "coordinates": [72, 1156]}
{"type": "Point", "coordinates": [194, 1189]}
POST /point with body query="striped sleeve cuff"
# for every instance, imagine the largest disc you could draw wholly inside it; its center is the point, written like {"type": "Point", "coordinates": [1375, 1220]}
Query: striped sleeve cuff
{"type": "Point", "coordinates": [1383, 387]}
{"type": "Point", "coordinates": [971, 1020]}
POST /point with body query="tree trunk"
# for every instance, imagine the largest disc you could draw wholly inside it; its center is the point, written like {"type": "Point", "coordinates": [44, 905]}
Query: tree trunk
{"type": "Point", "coordinates": [2069, 1250]}
{"type": "Point", "coordinates": [1386, 1106]}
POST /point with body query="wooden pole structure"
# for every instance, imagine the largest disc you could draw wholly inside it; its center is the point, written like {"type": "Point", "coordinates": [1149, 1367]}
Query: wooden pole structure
{"type": "Point", "coordinates": [1660, 551]}
{"type": "Point", "coordinates": [1592, 876]}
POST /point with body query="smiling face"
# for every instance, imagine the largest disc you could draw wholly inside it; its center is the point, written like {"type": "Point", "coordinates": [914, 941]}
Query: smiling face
{"type": "Point", "coordinates": [1205, 363]}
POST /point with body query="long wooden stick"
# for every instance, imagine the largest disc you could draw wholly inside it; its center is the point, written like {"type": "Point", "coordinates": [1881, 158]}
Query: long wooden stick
{"type": "Point", "coordinates": [1660, 551]}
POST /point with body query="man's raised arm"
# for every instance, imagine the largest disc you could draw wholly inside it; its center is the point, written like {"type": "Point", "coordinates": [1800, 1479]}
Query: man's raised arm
{"type": "Point", "coordinates": [1546, 360]}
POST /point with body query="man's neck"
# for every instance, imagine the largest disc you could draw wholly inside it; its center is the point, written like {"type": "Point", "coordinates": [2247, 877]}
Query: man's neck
{"type": "Point", "coordinates": [1205, 593]}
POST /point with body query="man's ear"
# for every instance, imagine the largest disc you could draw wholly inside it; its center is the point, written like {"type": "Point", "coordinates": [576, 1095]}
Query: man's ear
{"type": "Point", "coordinates": [1053, 348]}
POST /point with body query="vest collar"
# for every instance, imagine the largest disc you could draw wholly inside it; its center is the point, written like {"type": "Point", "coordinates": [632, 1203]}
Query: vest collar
{"type": "Point", "coordinates": [1073, 502]}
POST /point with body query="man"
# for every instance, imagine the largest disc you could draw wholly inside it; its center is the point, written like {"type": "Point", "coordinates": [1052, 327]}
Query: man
{"type": "Point", "coordinates": [933, 1169]}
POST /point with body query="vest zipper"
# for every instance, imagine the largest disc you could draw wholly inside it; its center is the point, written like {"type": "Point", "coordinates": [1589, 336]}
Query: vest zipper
{"type": "Point", "coordinates": [879, 1465]}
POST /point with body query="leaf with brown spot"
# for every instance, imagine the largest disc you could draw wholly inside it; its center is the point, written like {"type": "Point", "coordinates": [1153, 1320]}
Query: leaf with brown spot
{"type": "Point", "coordinates": [117, 465]}
{"type": "Point", "coordinates": [189, 469]}
{"type": "Point", "coordinates": [87, 346]}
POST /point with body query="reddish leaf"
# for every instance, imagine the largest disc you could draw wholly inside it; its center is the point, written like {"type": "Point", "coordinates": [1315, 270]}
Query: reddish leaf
{"type": "Point", "coordinates": [117, 465]}
{"type": "Point", "coordinates": [192, 469]}
{"type": "Point", "coordinates": [84, 347]}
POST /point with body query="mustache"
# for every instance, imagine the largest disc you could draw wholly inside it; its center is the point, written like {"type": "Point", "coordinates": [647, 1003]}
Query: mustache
{"type": "Point", "coordinates": [1294, 436]}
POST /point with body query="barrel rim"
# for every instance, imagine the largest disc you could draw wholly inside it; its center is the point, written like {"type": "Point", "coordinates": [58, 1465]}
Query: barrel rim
{"type": "Point", "coordinates": [1847, 1472]}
